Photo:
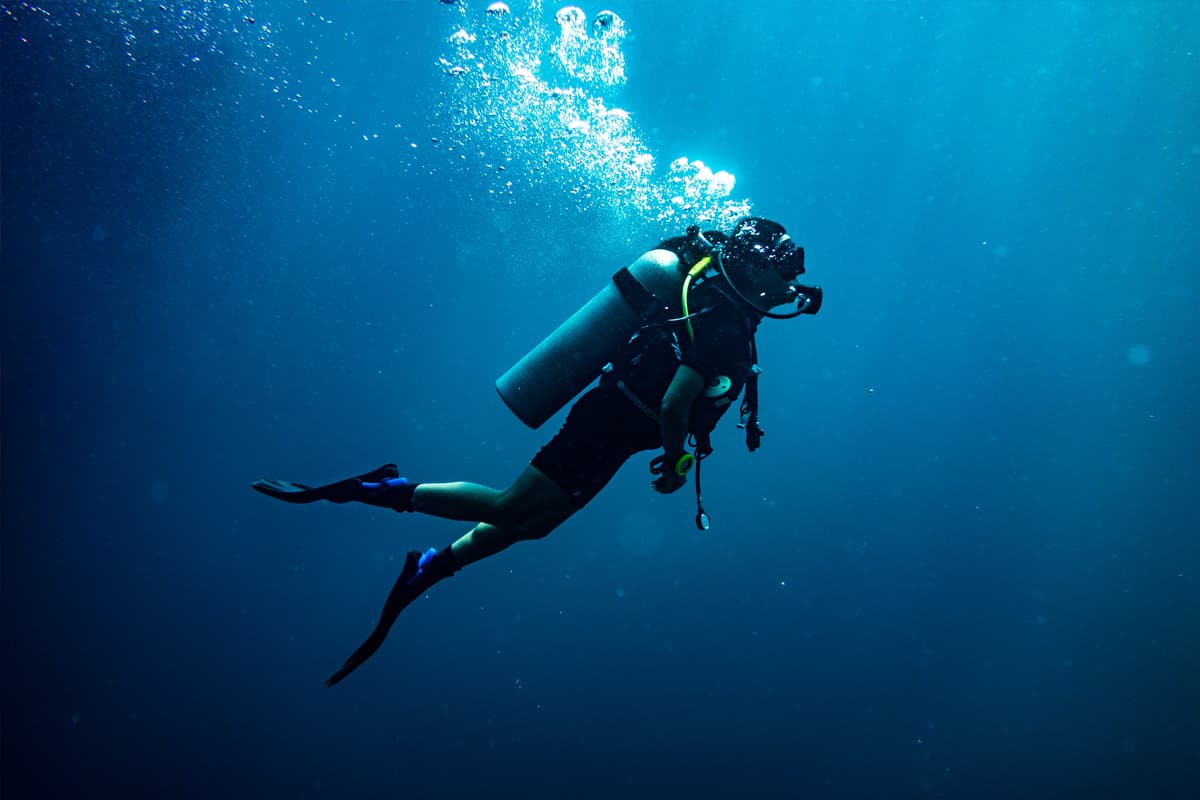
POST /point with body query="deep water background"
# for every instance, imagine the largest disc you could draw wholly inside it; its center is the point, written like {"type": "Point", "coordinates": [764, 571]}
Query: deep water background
{"type": "Point", "coordinates": [964, 563]}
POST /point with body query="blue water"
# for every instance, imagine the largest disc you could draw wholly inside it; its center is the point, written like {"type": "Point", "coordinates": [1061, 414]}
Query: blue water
{"type": "Point", "coordinates": [964, 564]}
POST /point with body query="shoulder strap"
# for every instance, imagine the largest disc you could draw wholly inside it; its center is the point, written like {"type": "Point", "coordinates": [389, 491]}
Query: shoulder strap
{"type": "Point", "coordinates": [639, 298]}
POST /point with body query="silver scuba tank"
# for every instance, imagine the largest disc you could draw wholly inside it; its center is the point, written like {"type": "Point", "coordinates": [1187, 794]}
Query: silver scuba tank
{"type": "Point", "coordinates": [571, 357]}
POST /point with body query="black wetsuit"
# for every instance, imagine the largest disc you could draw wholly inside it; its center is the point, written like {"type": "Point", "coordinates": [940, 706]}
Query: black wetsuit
{"type": "Point", "coordinates": [618, 418]}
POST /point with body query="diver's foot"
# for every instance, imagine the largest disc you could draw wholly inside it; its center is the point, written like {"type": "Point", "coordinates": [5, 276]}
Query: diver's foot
{"type": "Point", "coordinates": [382, 486]}
{"type": "Point", "coordinates": [392, 492]}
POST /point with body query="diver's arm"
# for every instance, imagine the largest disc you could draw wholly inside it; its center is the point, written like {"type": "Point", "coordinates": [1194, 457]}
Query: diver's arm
{"type": "Point", "coordinates": [673, 421]}
{"type": "Point", "coordinates": [676, 409]}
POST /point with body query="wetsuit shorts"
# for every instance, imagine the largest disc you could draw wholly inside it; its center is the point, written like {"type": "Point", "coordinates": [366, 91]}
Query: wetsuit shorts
{"type": "Point", "coordinates": [603, 429]}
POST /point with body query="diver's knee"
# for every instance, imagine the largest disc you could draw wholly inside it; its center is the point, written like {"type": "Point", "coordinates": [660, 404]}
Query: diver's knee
{"type": "Point", "coordinates": [533, 533]}
{"type": "Point", "coordinates": [512, 509]}
{"type": "Point", "coordinates": [504, 515]}
{"type": "Point", "coordinates": [545, 524]}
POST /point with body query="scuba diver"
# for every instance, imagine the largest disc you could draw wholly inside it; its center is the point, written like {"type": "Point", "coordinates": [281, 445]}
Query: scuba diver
{"type": "Point", "coordinates": [672, 339]}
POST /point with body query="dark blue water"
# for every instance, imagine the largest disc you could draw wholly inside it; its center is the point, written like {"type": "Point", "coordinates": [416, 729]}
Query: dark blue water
{"type": "Point", "coordinates": [964, 563]}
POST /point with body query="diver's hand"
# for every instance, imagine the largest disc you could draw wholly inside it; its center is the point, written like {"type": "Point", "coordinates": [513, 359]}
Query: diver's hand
{"type": "Point", "coordinates": [669, 479]}
{"type": "Point", "coordinates": [668, 482]}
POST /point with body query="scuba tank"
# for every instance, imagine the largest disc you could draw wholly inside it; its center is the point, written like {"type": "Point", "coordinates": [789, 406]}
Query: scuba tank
{"type": "Point", "coordinates": [571, 357]}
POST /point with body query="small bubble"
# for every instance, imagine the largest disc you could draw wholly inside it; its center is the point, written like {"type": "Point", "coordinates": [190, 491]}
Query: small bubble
{"type": "Point", "coordinates": [158, 492]}
{"type": "Point", "coordinates": [1138, 355]}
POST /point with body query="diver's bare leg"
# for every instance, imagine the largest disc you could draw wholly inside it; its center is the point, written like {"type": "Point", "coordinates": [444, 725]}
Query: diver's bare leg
{"type": "Point", "coordinates": [529, 496]}
{"type": "Point", "coordinates": [486, 540]}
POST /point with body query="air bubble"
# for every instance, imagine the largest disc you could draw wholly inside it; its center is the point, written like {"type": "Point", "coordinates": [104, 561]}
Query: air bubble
{"type": "Point", "coordinates": [606, 22]}
{"type": "Point", "coordinates": [546, 116]}
{"type": "Point", "coordinates": [570, 16]}
{"type": "Point", "coordinates": [1139, 355]}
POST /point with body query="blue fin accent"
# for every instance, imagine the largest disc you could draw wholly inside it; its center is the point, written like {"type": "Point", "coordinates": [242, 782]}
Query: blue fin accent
{"type": "Point", "coordinates": [426, 557]}
{"type": "Point", "coordinates": [385, 484]}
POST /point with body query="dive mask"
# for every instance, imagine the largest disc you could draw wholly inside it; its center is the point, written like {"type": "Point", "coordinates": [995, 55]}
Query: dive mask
{"type": "Point", "coordinates": [785, 257]}
{"type": "Point", "coordinates": [764, 242]}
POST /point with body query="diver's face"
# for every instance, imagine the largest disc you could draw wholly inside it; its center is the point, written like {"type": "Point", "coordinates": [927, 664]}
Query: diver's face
{"type": "Point", "coordinates": [773, 289]}
{"type": "Point", "coordinates": [777, 266]}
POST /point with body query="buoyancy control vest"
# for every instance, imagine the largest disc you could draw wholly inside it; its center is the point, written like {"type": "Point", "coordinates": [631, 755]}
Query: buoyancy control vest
{"type": "Point", "coordinates": [646, 363]}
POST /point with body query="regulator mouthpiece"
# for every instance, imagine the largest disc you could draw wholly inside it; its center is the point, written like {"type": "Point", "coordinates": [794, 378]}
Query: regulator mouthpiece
{"type": "Point", "coordinates": [809, 299]}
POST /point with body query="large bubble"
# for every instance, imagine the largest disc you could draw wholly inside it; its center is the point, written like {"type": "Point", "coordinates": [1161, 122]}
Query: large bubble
{"type": "Point", "coordinates": [593, 56]}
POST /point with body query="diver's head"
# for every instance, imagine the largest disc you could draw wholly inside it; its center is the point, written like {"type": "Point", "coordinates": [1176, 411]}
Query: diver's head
{"type": "Point", "coordinates": [764, 263]}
